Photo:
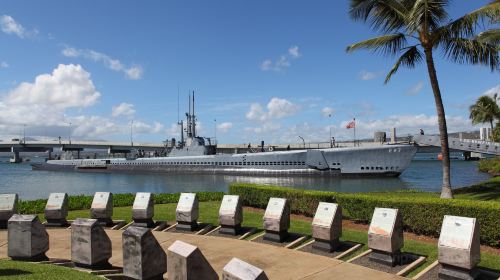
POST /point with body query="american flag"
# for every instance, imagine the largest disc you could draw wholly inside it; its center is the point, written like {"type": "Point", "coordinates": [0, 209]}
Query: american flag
{"type": "Point", "coordinates": [351, 124]}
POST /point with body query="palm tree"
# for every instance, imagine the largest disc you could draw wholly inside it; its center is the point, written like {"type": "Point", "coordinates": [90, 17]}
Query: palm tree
{"type": "Point", "coordinates": [485, 110]}
{"type": "Point", "coordinates": [413, 26]}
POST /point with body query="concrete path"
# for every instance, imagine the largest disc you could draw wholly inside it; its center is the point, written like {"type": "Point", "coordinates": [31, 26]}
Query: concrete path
{"type": "Point", "coordinates": [278, 263]}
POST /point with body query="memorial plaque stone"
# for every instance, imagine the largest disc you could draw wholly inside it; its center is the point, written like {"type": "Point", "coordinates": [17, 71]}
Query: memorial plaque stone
{"type": "Point", "coordinates": [143, 210]}
{"type": "Point", "coordinates": [102, 208]}
{"type": "Point", "coordinates": [237, 269]}
{"type": "Point", "coordinates": [56, 209]}
{"type": "Point", "coordinates": [90, 245]}
{"type": "Point", "coordinates": [459, 248]}
{"type": "Point", "coordinates": [187, 212]}
{"type": "Point", "coordinates": [8, 207]}
{"type": "Point", "coordinates": [27, 238]}
{"type": "Point", "coordinates": [385, 236]}
{"type": "Point", "coordinates": [327, 226]}
{"type": "Point", "coordinates": [277, 220]}
{"type": "Point", "coordinates": [230, 214]}
{"type": "Point", "coordinates": [143, 257]}
{"type": "Point", "coordinates": [186, 262]}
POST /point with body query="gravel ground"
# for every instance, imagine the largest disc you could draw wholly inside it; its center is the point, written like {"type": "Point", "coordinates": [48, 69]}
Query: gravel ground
{"type": "Point", "coordinates": [291, 237]}
{"type": "Point", "coordinates": [242, 232]}
{"type": "Point", "coordinates": [344, 246]}
{"type": "Point", "coordinates": [200, 226]}
{"type": "Point", "coordinates": [366, 262]}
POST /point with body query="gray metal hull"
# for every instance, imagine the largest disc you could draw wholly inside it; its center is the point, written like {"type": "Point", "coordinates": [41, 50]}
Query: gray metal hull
{"type": "Point", "coordinates": [382, 161]}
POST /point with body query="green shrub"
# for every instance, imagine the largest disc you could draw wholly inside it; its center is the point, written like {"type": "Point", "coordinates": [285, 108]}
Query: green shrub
{"type": "Point", "coordinates": [421, 214]}
{"type": "Point", "coordinates": [81, 202]}
{"type": "Point", "coordinates": [491, 166]}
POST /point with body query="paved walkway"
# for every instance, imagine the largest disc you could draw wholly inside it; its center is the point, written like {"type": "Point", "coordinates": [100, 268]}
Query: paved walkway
{"type": "Point", "coordinates": [278, 263]}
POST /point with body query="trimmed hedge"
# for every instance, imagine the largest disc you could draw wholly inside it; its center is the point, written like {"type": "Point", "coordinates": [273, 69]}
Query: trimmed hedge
{"type": "Point", "coordinates": [422, 214]}
{"type": "Point", "coordinates": [81, 202]}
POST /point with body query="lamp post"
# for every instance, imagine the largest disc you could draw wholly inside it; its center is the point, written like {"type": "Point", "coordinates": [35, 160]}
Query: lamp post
{"type": "Point", "coordinates": [215, 129]}
{"type": "Point", "coordinates": [69, 134]}
{"type": "Point", "coordinates": [132, 133]}
{"type": "Point", "coordinates": [303, 142]}
{"type": "Point", "coordinates": [24, 133]}
{"type": "Point", "coordinates": [330, 127]}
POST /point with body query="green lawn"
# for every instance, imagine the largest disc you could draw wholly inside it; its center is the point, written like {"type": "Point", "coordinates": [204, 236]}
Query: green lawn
{"type": "Point", "coordinates": [209, 214]}
{"type": "Point", "coordinates": [23, 270]}
{"type": "Point", "coordinates": [488, 190]}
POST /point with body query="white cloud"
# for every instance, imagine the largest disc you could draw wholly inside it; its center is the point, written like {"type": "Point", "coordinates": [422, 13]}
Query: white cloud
{"type": "Point", "coordinates": [225, 126]}
{"type": "Point", "coordinates": [277, 108]}
{"type": "Point", "coordinates": [4, 64]}
{"type": "Point", "coordinates": [266, 65]}
{"type": "Point", "coordinates": [68, 86]}
{"type": "Point", "coordinates": [10, 26]}
{"type": "Point", "coordinates": [294, 51]}
{"type": "Point", "coordinates": [366, 75]}
{"type": "Point", "coordinates": [123, 109]}
{"type": "Point", "coordinates": [414, 90]}
{"type": "Point", "coordinates": [327, 112]}
{"type": "Point", "coordinates": [280, 108]}
{"type": "Point", "coordinates": [256, 112]}
{"type": "Point", "coordinates": [492, 91]}
{"type": "Point", "coordinates": [43, 103]}
{"type": "Point", "coordinates": [283, 62]}
{"type": "Point", "coordinates": [133, 72]}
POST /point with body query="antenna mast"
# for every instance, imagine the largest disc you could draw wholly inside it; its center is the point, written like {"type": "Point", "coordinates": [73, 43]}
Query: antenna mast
{"type": "Point", "coordinates": [194, 119]}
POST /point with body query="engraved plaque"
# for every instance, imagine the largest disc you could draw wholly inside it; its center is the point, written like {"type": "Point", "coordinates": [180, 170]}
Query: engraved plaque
{"type": "Point", "coordinates": [383, 221]}
{"type": "Point", "coordinates": [325, 214]}
{"type": "Point", "coordinates": [100, 200]}
{"type": "Point", "coordinates": [459, 244]}
{"type": "Point", "coordinates": [8, 202]}
{"type": "Point", "coordinates": [141, 201]}
{"type": "Point", "coordinates": [8, 207]}
{"type": "Point", "coordinates": [275, 208]}
{"type": "Point", "coordinates": [229, 205]}
{"type": "Point", "coordinates": [186, 202]}
{"type": "Point", "coordinates": [457, 232]}
{"type": "Point", "coordinates": [56, 201]}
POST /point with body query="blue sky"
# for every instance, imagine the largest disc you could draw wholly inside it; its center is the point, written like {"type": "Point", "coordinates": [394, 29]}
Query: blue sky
{"type": "Point", "coordinates": [264, 70]}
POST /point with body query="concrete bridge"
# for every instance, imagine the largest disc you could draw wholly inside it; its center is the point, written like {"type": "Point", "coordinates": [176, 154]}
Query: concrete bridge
{"type": "Point", "coordinates": [466, 145]}
{"type": "Point", "coordinates": [426, 143]}
{"type": "Point", "coordinates": [15, 147]}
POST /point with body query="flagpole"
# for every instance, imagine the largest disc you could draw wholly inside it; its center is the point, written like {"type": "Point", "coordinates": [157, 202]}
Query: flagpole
{"type": "Point", "coordinates": [354, 142]}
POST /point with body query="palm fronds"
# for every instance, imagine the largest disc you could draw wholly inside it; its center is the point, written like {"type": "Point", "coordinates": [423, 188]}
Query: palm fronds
{"type": "Point", "coordinates": [386, 44]}
{"type": "Point", "coordinates": [409, 59]}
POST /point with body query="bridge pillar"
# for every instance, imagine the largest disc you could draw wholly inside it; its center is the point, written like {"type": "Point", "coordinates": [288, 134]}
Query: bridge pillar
{"type": "Point", "coordinates": [467, 156]}
{"type": "Point", "coordinates": [16, 157]}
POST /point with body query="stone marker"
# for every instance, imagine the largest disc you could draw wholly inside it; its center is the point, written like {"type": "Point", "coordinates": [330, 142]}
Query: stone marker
{"type": "Point", "coordinates": [237, 269]}
{"type": "Point", "coordinates": [459, 248]}
{"type": "Point", "coordinates": [102, 208]}
{"type": "Point", "coordinates": [27, 238]}
{"type": "Point", "coordinates": [187, 212]}
{"type": "Point", "coordinates": [8, 207]}
{"type": "Point", "coordinates": [230, 214]}
{"type": "Point", "coordinates": [56, 209]}
{"type": "Point", "coordinates": [143, 210]}
{"type": "Point", "coordinates": [327, 227]}
{"type": "Point", "coordinates": [385, 236]}
{"type": "Point", "coordinates": [186, 262]}
{"type": "Point", "coordinates": [143, 257]}
{"type": "Point", "coordinates": [90, 245]}
{"type": "Point", "coordinates": [277, 220]}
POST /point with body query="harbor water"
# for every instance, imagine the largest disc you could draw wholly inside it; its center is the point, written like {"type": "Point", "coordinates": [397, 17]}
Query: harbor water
{"type": "Point", "coordinates": [422, 174]}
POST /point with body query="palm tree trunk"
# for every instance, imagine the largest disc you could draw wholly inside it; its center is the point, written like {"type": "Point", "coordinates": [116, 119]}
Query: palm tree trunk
{"type": "Point", "coordinates": [491, 132]}
{"type": "Point", "coordinates": [443, 131]}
